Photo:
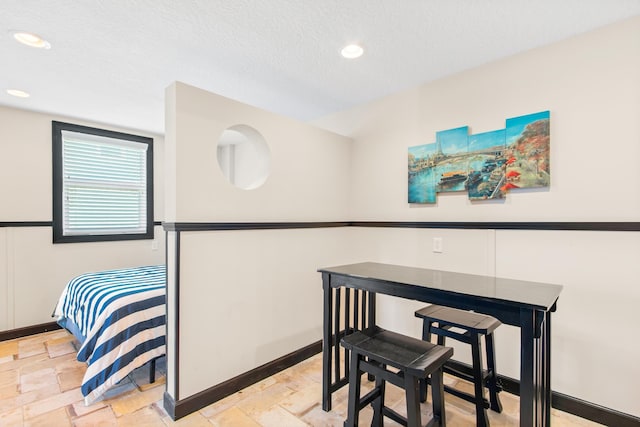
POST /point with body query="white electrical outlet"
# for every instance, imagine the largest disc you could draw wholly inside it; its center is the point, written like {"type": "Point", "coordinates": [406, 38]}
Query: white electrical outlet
{"type": "Point", "coordinates": [437, 245]}
{"type": "Point", "coordinates": [154, 245]}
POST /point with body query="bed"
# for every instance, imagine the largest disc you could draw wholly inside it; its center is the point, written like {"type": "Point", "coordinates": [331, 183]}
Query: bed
{"type": "Point", "coordinates": [118, 316]}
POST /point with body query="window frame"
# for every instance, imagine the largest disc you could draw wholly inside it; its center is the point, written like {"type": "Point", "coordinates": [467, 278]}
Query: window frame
{"type": "Point", "coordinates": [58, 205]}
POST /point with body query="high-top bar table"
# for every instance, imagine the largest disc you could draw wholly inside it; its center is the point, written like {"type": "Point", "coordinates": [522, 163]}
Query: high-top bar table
{"type": "Point", "coordinates": [349, 304]}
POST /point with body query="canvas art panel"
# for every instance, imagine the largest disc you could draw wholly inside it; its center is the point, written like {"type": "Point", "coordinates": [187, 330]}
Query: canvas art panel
{"type": "Point", "coordinates": [421, 179]}
{"type": "Point", "coordinates": [486, 173]}
{"type": "Point", "coordinates": [486, 165]}
{"type": "Point", "coordinates": [451, 162]}
{"type": "Point", "coordinates": [528, 151]}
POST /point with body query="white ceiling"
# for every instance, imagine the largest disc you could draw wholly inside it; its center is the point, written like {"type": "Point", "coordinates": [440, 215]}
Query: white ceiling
{"type": "Point", "coordinates": [111, 60]}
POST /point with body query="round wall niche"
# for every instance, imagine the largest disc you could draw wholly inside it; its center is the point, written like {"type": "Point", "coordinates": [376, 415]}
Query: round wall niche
{"type": "Point", "coordinates": [244, 157]}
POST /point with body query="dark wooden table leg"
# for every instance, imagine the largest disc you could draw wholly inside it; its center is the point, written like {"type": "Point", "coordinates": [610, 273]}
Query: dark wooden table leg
{"type": "Point", "coordinates": [527, 387]}
{"type": "Point", "coordinates": [547, 368]}
{"type": "Point", "coordinates": [326, 342]}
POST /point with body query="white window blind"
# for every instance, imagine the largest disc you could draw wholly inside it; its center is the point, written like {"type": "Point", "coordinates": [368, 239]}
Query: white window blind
{"type": "Point", "coordinates": [104, 185]}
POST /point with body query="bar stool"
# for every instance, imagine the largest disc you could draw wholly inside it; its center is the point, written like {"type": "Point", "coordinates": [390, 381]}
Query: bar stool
{"type": "Point", "coordinates": [372, 351]}
{"type": "Point", "coordinates": [440, 320]}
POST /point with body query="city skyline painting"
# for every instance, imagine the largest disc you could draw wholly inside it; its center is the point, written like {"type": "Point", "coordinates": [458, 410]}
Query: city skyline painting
{"type": "Point", "coordinates": [486, 165]}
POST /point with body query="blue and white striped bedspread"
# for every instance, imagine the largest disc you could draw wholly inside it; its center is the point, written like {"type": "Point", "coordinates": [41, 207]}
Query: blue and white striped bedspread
{"type": "Point", "coordinates": [119, 316]}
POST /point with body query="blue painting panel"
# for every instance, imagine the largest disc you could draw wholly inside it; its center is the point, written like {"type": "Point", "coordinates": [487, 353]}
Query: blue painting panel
{"type": "Point", "coordinates": [487, 141]}
{"type": "Point", "coordinates": [421, 187]}
{"type": "Point", "coordinates": [453, 141]}
{"type": "Point", "coordinates": [451, 166]}
{"type": "Point", "coordinates": [486, 165]}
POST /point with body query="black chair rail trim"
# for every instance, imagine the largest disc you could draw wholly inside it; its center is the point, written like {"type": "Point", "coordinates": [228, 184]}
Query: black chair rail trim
{"type": "Point", "coordinates": [219, 226]}
{"type": "Point", "coordinates": [582, 226]}
{"type": "Point", "coordinates": [26, 224]}
{"type": "Point", "coordinates": [16, 224]}
{"type": "Point", "coordinates": [212, 226]}
{"type": "Point", "coordinates": [567, 226]}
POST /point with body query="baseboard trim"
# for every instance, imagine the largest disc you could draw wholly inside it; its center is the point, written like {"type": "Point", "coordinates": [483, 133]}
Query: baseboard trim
{"type": "Point", "coordinates": [183, 407]}
{"type": "Point", "coordinates": [565, 403]}
{"type": "Point", "coordinates": [169, 405]}
{"type": "Point", "coordinates": [29, 330]}
{"type": "Point", "coordinates": [562, 402]}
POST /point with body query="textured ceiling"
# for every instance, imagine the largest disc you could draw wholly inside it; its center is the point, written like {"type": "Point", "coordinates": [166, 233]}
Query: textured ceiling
{"type": "Point", "coordinates": [111, 60]}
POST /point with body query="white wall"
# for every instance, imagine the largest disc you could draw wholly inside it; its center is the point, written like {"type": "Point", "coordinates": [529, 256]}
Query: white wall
{"type": "Point", "coordinates": [248, 297]}
{"type": "Point", "coordinates": [591, 86]}
{"type": "Point", "coordinates": [589, 83]}
{"type": "Point", "coordinates": [595, 353]}
{"type": "Point", "coordinates": [33, 271]}
{"type": "Point", "coordinates": [309, 166]}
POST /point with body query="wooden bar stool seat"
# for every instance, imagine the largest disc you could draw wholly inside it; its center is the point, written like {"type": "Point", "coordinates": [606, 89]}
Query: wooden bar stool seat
{"type": "Point", "coordinates": [412, 360]}
{"type": "Point", "coordinates": [441, 321]}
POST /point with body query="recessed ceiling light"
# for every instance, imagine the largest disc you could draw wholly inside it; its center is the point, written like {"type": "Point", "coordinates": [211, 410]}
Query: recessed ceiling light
{"type": "Point", "coordinates": [352, 51]}
{"type": "Point", "coordinates": [18, 93]}
{"type": "Point", "coordinates": [32, 40]}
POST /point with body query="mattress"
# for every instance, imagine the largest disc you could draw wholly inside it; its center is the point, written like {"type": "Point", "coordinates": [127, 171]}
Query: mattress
{"type": "Point", "coordinates": [118, 316]}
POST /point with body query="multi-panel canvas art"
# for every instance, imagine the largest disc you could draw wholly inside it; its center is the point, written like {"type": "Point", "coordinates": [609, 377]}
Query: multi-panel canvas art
{"type": "Point", "coordinates": [485, 165]}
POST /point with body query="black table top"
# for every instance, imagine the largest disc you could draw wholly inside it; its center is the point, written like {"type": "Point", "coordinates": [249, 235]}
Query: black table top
{"type": "Point", "coordinates": [535, 295]}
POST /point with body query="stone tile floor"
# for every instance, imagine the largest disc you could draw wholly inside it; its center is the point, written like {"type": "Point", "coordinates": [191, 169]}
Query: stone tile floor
{"type": "Point", "coordinates": [40, 386]}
